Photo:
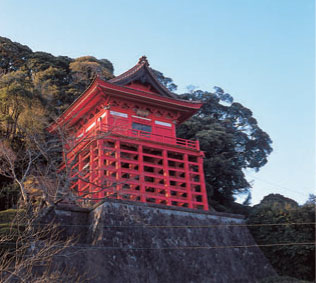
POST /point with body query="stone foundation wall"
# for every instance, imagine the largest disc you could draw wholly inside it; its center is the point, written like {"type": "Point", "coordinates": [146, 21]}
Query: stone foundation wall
{"type": "Point", "coordinates": [135, 242]}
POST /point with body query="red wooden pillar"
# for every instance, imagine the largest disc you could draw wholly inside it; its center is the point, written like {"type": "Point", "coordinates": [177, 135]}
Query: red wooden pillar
{"type": "Point", "coordinates": [90, 178]}
{"type": "Point", "coordinates": [141, 173]}
{"type": "Point", "coordinates": [118, 177]}
{"type": "Point", "coordinates": [100, 161]}
{"type": "Point", "coordinates": [166, 175]}
{"type": "Point", "coordinates": [202, 182]}
{"type": "Point", "coordinates": [188, 180]}
{"type": "Point", "coordinates": [80, 166]}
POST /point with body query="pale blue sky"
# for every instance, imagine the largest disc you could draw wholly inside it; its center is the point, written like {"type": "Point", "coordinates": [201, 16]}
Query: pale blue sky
{"type": "Point", "coordinates": [260, 51]}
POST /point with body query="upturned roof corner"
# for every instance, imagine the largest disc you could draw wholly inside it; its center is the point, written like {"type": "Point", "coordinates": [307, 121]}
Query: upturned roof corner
{"type": "Point", "coordinates": [143, 74]}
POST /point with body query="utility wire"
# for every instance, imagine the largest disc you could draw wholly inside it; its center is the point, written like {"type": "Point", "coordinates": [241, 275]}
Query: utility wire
{"type": "Point", "coordinates": [276, 185]}
{"type": "Point", "coordinates": [180, 248]}
{"type": "Point", "coordinates": [204, 247]}
{"type": "Point", "coordinates": [185, 226]}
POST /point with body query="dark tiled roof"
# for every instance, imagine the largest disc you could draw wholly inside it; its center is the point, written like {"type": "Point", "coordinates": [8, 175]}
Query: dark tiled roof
{"type": "Point", "coordinates": [142, 73]}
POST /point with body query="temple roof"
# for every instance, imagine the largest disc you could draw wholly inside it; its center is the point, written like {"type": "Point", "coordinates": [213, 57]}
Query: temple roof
{"type": "Point", "coordinates": [137, 84]}
{"type": "Point", "coordinates": [144, 75]}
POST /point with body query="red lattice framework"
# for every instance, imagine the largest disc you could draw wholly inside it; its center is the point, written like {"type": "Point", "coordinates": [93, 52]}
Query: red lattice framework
{"type": "Point", "coordinates": [137, 168]}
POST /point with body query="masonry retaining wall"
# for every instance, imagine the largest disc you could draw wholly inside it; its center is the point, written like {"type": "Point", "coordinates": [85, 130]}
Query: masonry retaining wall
{"type": "Point", "coordinates": [135, 242]}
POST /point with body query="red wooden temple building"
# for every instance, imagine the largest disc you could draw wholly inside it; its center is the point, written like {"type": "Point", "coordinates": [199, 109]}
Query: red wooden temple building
{"type": "Point", "coordinates": [124, 145]}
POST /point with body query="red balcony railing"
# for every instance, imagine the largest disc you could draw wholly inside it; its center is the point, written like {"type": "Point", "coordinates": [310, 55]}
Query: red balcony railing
{"type": "Point", "coordinates": [149, 136]}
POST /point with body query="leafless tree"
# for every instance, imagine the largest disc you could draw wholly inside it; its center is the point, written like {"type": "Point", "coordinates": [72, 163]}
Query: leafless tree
{"type": "Point", "coordinates": [44, 168]}
{"type": "Point", "coordinates": [35, 252]}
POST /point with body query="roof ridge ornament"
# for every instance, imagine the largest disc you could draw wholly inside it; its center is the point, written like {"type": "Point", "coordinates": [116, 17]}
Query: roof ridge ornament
{"type": "Point", "coordinates": [143, 60]}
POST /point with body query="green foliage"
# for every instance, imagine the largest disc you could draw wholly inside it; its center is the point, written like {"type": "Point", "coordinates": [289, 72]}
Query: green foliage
{"type": "Point", "coordinates": [165, 81]}
{"type": "Point", "coordinates": [35, 87]}
{"type": "Point", "coordinates": [232, 141]}
{"type": "Point", "coordinates": [56, 81]}
{"type": "Point", "coordinates": [13, 55]}
{"type": "Point", "coordinates": [289, 260]}
{"type": "Point", "coordinates": [15, 98]}
{"type": "Point", "coordinates": [83, 70]}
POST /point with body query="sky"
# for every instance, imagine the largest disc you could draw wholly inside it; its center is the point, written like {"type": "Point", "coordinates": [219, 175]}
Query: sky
{"type": "Point", "coordinates": [262, 52]}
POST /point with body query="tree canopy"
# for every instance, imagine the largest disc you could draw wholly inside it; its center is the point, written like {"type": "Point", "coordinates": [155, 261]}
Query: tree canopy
{"type": "Point", "coordinates": [232, 141]}
{"type": "Point", "coordinates": [278, 220]}
{"type": "Point", "coordinates": [55, 81]}
{"type": "Point", "coordinates": [35, 87]}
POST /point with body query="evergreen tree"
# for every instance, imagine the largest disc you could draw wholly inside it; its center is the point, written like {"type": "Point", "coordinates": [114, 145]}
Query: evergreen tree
{"type": "Point", "coordinates": [232, 141]}
{"type": "Point", "coordinates": [291, 224]}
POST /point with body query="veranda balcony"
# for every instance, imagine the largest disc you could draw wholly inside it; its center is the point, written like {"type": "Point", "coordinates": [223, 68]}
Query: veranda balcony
{"type": "Point", "coordinates": [133, 133]}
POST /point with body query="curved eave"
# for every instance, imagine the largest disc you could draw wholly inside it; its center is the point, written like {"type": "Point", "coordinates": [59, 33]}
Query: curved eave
{"type": "Point", "coordinates": [149, 95]}
{"type": "Point", "coordinates": [75, 105]}
{"type": "Point", "coordinates": [187, 108]}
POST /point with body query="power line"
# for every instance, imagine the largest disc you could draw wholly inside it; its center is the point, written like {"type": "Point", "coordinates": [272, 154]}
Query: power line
{"type": "Point", "coordinates": [275, 185]}
{"type": "Point", "coordinates": [179, 248]}
{"type": "Point", "coordinates": [205, 247]}
{"type": "Point", "coordinates": [183, 226]}
{"type": "Point", "coordinates": [206, 226]}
